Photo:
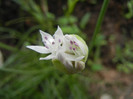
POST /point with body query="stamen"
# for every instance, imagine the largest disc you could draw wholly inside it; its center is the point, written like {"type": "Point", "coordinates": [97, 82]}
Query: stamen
{"type": "Point", "coordinates": [74, 49]}
{"type": "Point", "coordinates": [75, 43]}
{"type": "Point", "coordinates": [53, 43]}
{"type": "Point", "coordinates": [71, 42]}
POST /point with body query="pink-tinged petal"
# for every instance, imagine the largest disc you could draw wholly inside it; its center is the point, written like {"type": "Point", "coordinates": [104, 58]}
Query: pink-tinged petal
{"type": "Point", "coordinates": [51, 56]}
{"type": "Point", "coordinates": [46, 37]}
{"type": "Point", "coordinates": [39, 49]}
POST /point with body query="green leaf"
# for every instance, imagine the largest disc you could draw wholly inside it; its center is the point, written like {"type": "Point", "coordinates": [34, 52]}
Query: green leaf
{"type": "Point", "coordinates": [85, 20]}
{"type": "Point", "coordinates": [71, 5]}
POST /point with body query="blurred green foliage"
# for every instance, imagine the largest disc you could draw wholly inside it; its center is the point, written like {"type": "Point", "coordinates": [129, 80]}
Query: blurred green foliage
{"type": "Point", "coordinates": [96, 64]}
{"type": "Point", "coordinates": [26, 77]}
{"type": "Point", "coordinates": [71, 5]}
{"type": "Point", "coordinates": [130, 10]}
{"type": "Point", "coordinates": [124, 57]}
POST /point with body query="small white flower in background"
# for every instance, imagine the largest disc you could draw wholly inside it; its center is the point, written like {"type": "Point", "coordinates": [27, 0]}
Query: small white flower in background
{"type": "Point", "coordinates": [68, 52]}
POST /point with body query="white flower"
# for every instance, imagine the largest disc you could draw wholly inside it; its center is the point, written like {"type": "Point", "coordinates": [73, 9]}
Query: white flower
{"type": "Point", "coordinates": [68, 52]}
{"type": "Point", "coordinates": [51, 44]}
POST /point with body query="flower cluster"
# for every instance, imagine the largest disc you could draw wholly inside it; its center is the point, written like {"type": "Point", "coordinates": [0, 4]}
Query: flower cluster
{"type": "Point", "coordinates": [68, 52]}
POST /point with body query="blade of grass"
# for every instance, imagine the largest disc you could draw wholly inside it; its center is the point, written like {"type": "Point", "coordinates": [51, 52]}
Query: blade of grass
{"type": "Point", "coordinates": [27, 71]}
{"type": "Point", "coordinates": [7, 47]}
{"type": "Point", "coordinates": [26, 35]}
{"type": "Point", "coordinates": [99, 22]}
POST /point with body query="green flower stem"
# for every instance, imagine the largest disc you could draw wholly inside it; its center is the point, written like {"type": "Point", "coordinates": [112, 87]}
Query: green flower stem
{"type": "Point", "coordinates": [99, 22]}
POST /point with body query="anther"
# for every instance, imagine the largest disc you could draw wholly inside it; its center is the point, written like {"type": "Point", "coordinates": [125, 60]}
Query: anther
{"type": "Point", "coordinates": [45, 38]}
{"type": "Point", "coordinates": [71, 42]}
{"type": "Point", "coordinates": [75, 44]}
{"type": "Point", "coordinates": [53, 43]}
{"type": "Point", "coordinates": [74, 49]}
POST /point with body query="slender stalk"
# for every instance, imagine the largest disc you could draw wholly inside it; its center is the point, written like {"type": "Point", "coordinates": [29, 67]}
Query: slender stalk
{"type": "Point", "coordinates": [99, 22]}
{"type": "Point", "coordinates": [26, 71]}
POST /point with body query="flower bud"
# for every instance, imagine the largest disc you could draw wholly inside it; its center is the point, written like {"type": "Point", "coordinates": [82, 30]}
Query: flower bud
{"type": "Point", "coordinates": [72, 59]}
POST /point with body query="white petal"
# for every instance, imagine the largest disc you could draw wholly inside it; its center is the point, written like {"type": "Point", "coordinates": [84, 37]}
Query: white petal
{"type": "Point", "coordinates": [73, 57]}
{"type": "Point", "coordinates": [58, 36]}
{"type": "Point", "coordinates": [51, 56]}
{"type": "Point", "coordinates": [62, 58]}
{"type": "Point", "coordinates": [76, 59]}
{"type": "Point", "coordinates": [66, 44]}
{"type": "Point", "coordinates": [79, 58]}
{"type": "Point", "coordinates": [58, 32]}
{"type": "Point", "coordinates": [46, 35]}
{"type": "Point", "coordinates": [39, 49]}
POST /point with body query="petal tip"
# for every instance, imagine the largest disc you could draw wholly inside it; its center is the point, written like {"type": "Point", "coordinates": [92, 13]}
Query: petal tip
{"type": "Point", "coordinates": [41, 32]}
{"type": "Point", "coordinates": [58, 27]}
{"type": "Point", "coordinates": [40, 59]}
{"type": "Point", "coordinates": [28, 46]}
